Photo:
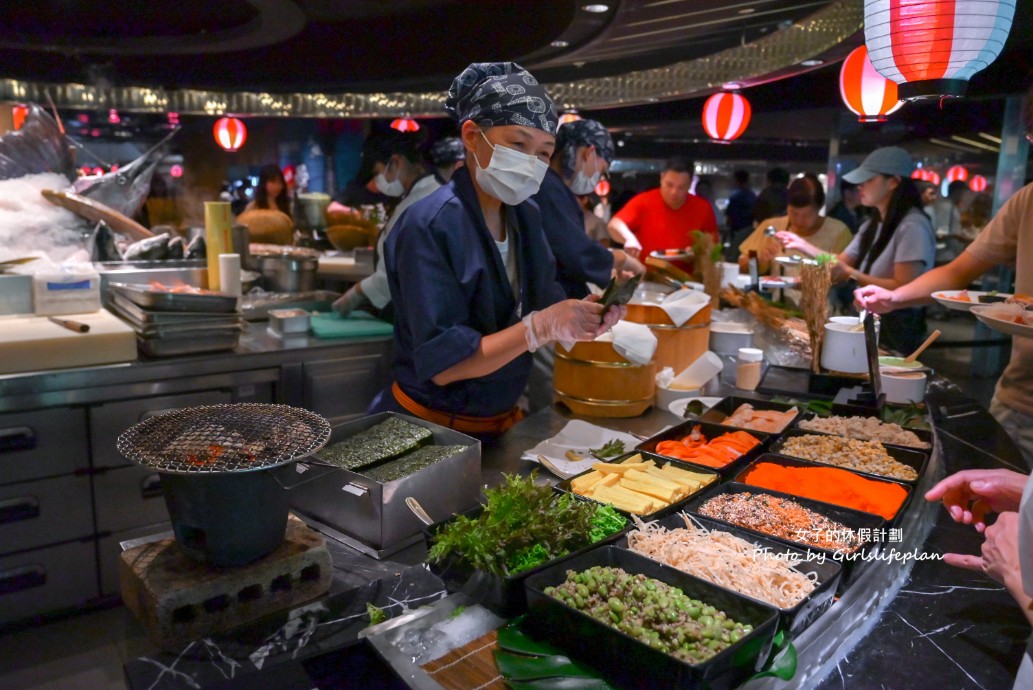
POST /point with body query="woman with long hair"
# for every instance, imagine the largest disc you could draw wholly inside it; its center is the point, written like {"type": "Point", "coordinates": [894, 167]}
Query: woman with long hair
{"type": "Point", "coordinates": [893, 247]}
{"type": "Point", "coordinates": [271, 192]}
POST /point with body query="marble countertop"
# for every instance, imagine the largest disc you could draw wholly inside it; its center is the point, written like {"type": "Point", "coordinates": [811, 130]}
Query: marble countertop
{"type": "Point", "coordinates": [948, 628]}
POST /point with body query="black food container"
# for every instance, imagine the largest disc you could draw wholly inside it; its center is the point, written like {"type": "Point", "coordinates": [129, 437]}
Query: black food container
{"type": "Point", "coordinates": [711, 431]}
{"type": "Point", "coordinates": [853, 564]}
{"type": "Point", "coordinates": [505, 595]}
{"type": "Point", "coordinates": [915, 459]}
{"type": "Point", "coordinates": [787, 461]}
{"type": "Point", "coordinates": [626, 661]}
{"type": "Point", "coordinates": [825, 571]}
{"type": "Point", "coordinates": [923, 434]}
{"type": "Point", "coordinates": [727, 406]}
{"type": "Point", "coordinates": [660, 460]}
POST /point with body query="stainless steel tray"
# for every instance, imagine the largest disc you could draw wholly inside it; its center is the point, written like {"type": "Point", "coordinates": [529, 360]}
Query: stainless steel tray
{"type": "Point", "coordinates": [136, 314]}
{"type": "Point", "coordinates": [374, 513]}
{"type": "Point", "coordinates": [161, 300]}
{"type": "Point", "coordinates": [186, 345]}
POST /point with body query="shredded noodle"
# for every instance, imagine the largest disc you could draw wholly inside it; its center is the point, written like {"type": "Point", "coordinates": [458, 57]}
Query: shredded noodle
{"type": "Point", "coordinates": [726, 560]}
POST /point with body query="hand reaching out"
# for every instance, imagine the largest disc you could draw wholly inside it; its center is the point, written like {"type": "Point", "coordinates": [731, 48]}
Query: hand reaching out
{"type": "Point", "coordinates": [970, 495]}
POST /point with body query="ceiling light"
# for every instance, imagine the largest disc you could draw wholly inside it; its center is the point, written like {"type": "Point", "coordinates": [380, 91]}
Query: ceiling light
{"type": "Point", "coordinates": [560, 44]}
{"type": "Point", "coordinates": [597, 9]}
{"type": "Point", "coordinates": [991, 137]}
{"type": "Point", "coordinates": [731, 85]}
{"type": "Point", "coordinates": [747, 10]}
{"type": "Point", "coordinates": [812, 63]}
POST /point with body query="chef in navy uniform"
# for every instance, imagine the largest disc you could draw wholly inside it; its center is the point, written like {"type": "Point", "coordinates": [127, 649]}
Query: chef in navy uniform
{"type": "Point", "coordinates": [584, 152]}
{"type": "Point", "coordinates": [470, 272]}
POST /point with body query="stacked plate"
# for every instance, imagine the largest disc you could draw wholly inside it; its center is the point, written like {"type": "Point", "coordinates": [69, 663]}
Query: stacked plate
{"type": "Point", "coordinates": [177, 321]}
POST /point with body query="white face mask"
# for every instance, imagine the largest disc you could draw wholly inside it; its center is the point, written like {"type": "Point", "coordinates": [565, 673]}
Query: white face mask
{"type": "Point", "coordinates": [392, 188]}
{"type": "Point", "coordinates": [511, 177]}
{"type": "Point", "coordinates": [582, 184]}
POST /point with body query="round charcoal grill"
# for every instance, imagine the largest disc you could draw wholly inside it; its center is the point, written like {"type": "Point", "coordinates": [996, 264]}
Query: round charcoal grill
{"type": "Point", "coordinates": [224, 438]}
{"type": "Point", "coordinates": [217, 473]}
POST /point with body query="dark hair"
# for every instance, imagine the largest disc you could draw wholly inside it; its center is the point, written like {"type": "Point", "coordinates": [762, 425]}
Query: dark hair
{"type": "Point", "coordinates": [956, 187]}
{"type": "Point", "coordinates": [904, 198]}
{"type": "Point", "coordinates": [405, 145]}
{"type": "Point", "coordinates": [741, 177]}
{"type": "Point", "coordinates": [779, 176]}
{"type": "Point", "coordinates": [845, 186]}
{"type": "Point", "coordinates": [806, 191]}
{"type": "Point", "coordinates": [679, 164]}
{"type": "Point", "coordinates": [282, 200]}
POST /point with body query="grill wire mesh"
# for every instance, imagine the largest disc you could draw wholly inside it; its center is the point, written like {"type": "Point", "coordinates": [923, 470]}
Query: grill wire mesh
{"type": "Point", "coordinates": [211, 439]}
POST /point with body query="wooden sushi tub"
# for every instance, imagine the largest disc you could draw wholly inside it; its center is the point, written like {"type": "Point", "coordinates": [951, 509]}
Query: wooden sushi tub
{"type": "Point", "coordinates": [371, 515]}
{"type": "Point", "coordinates": [676, 346]}
{"type": "Point", "coordinates": [593, 379]}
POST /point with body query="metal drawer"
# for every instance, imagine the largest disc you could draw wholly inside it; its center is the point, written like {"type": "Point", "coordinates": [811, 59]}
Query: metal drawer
{"type": "Point", "coordinates": [45, 580]}
{"type": "Point", "coordinates": [128, 497]}
{"type": "Point", "coordinates": [341, 389]}
{"type": "Point", "coordinates": [108, 421]}
{"type": "Point", "coordinates": [109, 551]}
{"type": "Point", "coordinates": [48, 511]}
{"type": "Point", "coordinates": [42, 443]}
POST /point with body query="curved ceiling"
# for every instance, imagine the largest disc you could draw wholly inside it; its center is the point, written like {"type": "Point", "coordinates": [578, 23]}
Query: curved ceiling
{"type": "Point", "coordinates": [388, 57]}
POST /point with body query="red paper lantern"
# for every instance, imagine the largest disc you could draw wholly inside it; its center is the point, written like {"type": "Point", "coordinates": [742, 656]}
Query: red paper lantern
{"type": "Point", "coordinates": [725, 116]}
{"type": "Point", "coordinates": [931, 48]}
{"type": "Point", "coordinates": [18, 115]}
{"type": "Point", "coordinates": [978, 183]}
{"type": "Point", "coordinates": [957, 172]}
{"type": "Point", "coordinates": [868, 94]}
{"type": "Point", "coordinates": [406, 124]}
{"type": "Point", "coordinates": [230, 133]}
{"type": "Point", "coordinates": [603, 188]}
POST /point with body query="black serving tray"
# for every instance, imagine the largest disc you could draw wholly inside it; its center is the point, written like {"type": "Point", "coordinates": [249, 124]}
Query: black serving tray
{"type": "Point", "coordinates": [726, 406]}
{"type": "Point", "coordinates": [787, 461]}
{"type": "Point", "coordinates": [504, 595]}
{"type": "Point", "coordinates": [660, 460]}
{"type": "Point", "coordinates": [912, 457]}
{"type": "Point", "coordinates": [796, 618]}
{"type": "Point", "coordinates": [852, 564]}
{"type": "Point", "coordinates": [923, 434]}
{"type": "Point", "coordinates": [711, 431]}
{"type": "Point", "coordinates": [630, 663]}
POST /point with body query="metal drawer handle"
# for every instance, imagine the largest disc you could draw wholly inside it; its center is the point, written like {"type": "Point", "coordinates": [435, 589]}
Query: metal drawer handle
{"type": "Point", "coordinates": [150, 487]}
{"type": "Point", "coordinates": [20, 579]}
{"type": "Point", "coordinates": [17, 438]}
{"type": "Point", "coordinates": [18, 509]}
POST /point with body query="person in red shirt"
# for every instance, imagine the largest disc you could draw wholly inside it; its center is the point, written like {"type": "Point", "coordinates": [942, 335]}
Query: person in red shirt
{"type": "Point", "coordinates": [664, 218]}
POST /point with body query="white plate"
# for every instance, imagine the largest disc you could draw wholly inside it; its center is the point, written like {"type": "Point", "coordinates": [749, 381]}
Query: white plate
{"type": "Point", "coordinates": [579, 436]}
{"type": "Point", "coordinates": [678, 406]}
{"type": "Point", "coordinates": [772, 283]}
{"type": "Point", "coordinates": [949, 299]}
{"type": "Point", "coordinates": [1009, 327]}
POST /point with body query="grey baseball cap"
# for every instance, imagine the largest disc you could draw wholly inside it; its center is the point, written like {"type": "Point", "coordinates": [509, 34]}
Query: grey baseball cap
{"type": "Point", "coordinates": [888, 160]}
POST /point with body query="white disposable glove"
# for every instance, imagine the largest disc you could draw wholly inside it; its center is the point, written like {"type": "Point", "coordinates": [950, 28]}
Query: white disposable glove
{"type": "Point", "coordinates": [353, 299]}
{"type": "Point", "coordinates": [567, 322]}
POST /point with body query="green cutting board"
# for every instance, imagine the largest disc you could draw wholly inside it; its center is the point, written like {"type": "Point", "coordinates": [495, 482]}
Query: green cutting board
{"type": "Point", "coordinates": [355, 325]}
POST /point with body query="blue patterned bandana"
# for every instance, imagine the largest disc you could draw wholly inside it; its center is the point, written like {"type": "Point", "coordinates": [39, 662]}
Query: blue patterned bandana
{"type": "Point", "coordinates": [583, 133]}
{"type": "Point", "coordinates": [500, 93]}
{"type": "Point", "coordinates": [447, 151]}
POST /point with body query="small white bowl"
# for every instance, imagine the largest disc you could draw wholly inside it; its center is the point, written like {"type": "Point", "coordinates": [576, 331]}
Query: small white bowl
{"type": "Point", "coordinates": [904, 387]}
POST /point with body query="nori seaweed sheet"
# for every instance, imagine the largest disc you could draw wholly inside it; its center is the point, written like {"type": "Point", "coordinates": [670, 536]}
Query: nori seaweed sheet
{"type": "Point", "coordinates": [411, 463]}
{"type": "Point", "coordinates": [385, 441]}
